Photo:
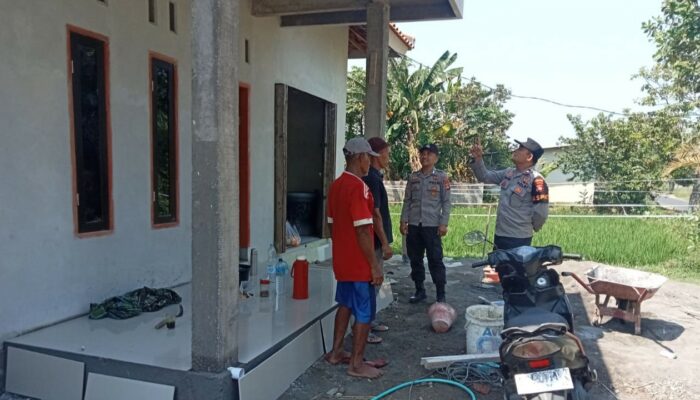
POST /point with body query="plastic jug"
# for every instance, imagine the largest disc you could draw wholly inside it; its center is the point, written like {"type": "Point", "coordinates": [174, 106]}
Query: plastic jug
{"type": "Point", "coordinates": [300, 274]}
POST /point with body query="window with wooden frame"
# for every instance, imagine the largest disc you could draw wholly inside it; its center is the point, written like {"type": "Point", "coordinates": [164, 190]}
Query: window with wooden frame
{"type": "Point", "coordinates": [172, 17]}
{"type": "Point", "coordinates": [164, 187]}
{"type": "Point", "coordinates": [152, 12]}
{"type": "Point", "coordinates": [305, 137]}
{"type": "Point", "coordinates": [88, 80]}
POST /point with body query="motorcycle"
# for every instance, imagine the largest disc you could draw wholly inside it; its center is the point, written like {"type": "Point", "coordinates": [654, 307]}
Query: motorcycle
{"type": "Point", "coordinates": [541, 357]}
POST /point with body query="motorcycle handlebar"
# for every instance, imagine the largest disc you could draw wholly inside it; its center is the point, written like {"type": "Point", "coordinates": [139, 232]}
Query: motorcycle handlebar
{"type": "Point", "coordinates": [482, 263]}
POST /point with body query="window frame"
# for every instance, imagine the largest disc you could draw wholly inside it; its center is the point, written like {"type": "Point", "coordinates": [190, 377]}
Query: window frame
{"type": "Point", "coordinates": [107, 200]}
{"type": "Point", "coordinates": [156, 221]}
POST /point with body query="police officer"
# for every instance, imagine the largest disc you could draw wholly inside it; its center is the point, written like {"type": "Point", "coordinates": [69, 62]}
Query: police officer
{"type": "Point", "coordinates": [523, 204]}
{"type": "Point", "coordinates": [424, 218]}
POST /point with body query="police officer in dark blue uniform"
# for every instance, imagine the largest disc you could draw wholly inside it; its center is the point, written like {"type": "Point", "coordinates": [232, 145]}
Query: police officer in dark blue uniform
{"type": "Point", "coordinates": [424, 219]}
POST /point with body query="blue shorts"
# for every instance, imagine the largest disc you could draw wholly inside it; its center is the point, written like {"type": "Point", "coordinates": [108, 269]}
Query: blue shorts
{"type": "Point", "coordinates": [360, 298]}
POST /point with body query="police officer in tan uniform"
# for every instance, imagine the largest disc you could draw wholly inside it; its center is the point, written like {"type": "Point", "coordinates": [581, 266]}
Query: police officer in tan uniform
{"type": "Point", "coordinates": [424, 219]}
{"type": "Point", "coordinates": [523, 204]}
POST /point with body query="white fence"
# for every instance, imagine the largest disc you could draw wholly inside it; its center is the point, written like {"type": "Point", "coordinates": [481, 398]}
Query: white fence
{"type": "Point", "coordinates": [473, 193]}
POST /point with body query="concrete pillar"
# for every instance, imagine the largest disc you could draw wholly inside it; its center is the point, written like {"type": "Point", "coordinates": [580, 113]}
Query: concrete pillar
{"type": "Point", "coordinates": [377, 61]}
{"type": "Point", "coordinates": [215, 25]}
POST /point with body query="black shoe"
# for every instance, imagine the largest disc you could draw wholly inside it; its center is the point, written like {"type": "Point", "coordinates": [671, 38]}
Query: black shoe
{"type": "Point", "coordinates": [418, 297]}
{"type": "Point", "coordinates": [441, 299]}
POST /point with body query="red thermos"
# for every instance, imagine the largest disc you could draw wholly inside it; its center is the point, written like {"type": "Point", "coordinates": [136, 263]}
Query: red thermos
{"type": "Point", "coordinates": [300, 274]}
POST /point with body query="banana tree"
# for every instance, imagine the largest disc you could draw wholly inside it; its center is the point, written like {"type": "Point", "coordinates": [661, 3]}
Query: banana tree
{"type": "Point", "coordinates": [413, 99]}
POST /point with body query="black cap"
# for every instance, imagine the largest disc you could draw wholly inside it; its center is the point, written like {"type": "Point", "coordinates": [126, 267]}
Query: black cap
{"type": "Point", "coordinates": [534, 148]}
{"type": "Point", "coordinates": [431, 147]}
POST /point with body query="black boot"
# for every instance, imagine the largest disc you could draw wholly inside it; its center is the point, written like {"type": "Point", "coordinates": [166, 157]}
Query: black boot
{"type": "Point", "coordinates": [440, 289]}
{"type": "Point", "coordinates": [419, 295]}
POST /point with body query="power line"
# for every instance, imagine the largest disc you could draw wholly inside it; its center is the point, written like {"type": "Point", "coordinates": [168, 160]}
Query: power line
{"type": "Point", "coordinates": [558, 103]}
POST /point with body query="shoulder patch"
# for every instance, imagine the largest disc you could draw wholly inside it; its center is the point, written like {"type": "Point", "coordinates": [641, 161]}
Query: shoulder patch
{"type": "Point", "coordinates": [540, 191]}
{"type": "Point", "coordinates": [446, 183]}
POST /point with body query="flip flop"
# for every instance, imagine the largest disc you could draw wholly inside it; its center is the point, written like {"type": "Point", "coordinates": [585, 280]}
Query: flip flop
{"type": "Point", "coordinates": [380, 328]}
{"type": "Point", "coordinates": [374, 339]}
{"type": "Point", "coordinates": [378, 363]}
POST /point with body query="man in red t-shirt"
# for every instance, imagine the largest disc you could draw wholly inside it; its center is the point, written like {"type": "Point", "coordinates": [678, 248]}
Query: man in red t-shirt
{"type": "Point", "coordinates": [356, 269]}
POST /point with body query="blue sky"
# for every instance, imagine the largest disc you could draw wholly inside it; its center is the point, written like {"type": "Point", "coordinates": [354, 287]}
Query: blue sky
{"type": "Point", "coordinates": [582, 53]}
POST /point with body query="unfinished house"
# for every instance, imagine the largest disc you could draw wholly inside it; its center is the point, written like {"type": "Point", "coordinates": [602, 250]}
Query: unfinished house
{"type": "Point", "coordinates": [163, 144]}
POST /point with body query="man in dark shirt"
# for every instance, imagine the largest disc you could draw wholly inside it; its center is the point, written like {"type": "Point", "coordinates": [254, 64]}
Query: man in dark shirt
{"type": "Point", "coordinates": [381, 217]}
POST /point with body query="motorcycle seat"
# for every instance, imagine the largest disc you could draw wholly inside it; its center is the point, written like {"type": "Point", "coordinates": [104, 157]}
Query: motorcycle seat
{"type": "Point", "coordinates": [534, 320]}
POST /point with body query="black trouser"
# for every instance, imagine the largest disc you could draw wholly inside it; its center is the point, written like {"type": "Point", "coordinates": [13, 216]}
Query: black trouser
{"type": "Point", "coordinates": [425, 239]}
{"type": "Point", "coordinates": [506, 243]}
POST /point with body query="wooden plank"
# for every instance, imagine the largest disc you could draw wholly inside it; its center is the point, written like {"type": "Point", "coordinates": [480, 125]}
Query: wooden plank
{"type": "Point", "coordinates": [266, 8]}
{"type": "Point", "coordinates": [281, 106]}
{"type": "Point", "coordinates": [331, 133]}
{"type": "Point", "coordinates": [444, 361]}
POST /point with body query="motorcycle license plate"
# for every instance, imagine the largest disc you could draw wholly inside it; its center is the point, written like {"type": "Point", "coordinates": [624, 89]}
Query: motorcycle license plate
{"type": "Point", "coordinates": [550, 380]}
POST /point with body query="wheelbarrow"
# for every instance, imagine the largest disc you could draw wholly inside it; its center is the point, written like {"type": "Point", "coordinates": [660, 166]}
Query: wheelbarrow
{"type": "Point", "coordinates": [629, 288]}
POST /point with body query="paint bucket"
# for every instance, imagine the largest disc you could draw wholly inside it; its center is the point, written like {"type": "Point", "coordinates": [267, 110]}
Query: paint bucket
{"type": "Point", "coordinates": [483, 328]}
{"type": "Point", "coordinates": [441, 315]}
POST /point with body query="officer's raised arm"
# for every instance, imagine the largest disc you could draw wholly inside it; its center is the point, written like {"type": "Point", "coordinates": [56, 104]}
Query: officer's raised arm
{"type": "Point", "coordinates": [482, 174]}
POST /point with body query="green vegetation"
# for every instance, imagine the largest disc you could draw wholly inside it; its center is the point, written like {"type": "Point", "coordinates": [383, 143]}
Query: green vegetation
{"type": "Point", "coordinates": [658, 245]}
{"type": "Point", "coordinates": [435, 104]}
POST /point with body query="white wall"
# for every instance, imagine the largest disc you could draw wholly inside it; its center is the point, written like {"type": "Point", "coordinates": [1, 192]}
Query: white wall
{"type": "Point", "coordinates": [311, 59]}
{"type": "Point", "coordinates": [46, 272]}
{"type": "Point", "coordinates": [573, 192]}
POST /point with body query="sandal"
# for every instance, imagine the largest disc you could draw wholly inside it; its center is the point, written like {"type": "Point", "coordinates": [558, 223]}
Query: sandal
{"type": "Point", "coordinates": [379, 328]}
{"type": "Point", "coordinates": [374, 339]}
{"type": "Point", "coordinates": [378, 363]}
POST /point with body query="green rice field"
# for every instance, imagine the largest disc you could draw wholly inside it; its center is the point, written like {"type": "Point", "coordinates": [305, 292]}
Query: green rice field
{"type": "Point", "coordinates": [659, 245]}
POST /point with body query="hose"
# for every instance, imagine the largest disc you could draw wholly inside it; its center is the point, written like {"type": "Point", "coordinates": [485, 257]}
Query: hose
{"type": "Point", "coordinates": [471, 373]}
{"type": "Point", "coordinates": [418, 381]}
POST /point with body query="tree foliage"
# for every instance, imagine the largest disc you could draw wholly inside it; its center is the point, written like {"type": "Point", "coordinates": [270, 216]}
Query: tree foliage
{"type": "Point", "coordinates": [674, 81]}
{"type": "Point", "coordinates": [355, 103]}
{"type": "Point", "coordinates": [623, 155]}
{"type": "Point", "coordinates": [434, 104]}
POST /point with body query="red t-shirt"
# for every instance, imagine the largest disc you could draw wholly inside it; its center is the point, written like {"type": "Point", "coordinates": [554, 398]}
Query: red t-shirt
{"type": "Point", "coordinates": [350, 204]}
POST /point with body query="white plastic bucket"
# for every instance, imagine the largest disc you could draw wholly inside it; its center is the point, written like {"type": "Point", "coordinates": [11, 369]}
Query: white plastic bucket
{"type": "Point", "coordinates": [483, 328]}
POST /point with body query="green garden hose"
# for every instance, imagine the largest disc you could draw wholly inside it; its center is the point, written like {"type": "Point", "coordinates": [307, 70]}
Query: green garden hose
{"type": "Point", "coordinates": [418, 381]}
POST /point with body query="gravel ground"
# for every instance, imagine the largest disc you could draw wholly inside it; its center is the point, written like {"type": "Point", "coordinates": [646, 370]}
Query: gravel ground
{"type": "Point", "coordinates": [669, 329]}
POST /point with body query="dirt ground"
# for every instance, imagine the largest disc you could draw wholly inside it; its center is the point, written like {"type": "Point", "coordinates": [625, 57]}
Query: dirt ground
{"type": "Point", "coordinates": [629, 366]}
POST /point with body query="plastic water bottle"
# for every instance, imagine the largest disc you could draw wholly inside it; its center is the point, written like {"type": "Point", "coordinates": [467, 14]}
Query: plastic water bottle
{"type": "Point", "coordinates": [271, 263]}
{"type": "Point", "coordinates": [281, 272]}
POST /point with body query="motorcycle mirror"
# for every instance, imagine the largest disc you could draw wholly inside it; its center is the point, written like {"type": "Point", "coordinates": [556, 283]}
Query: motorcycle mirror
{"type": "Point", "coordinates": [474, 237]}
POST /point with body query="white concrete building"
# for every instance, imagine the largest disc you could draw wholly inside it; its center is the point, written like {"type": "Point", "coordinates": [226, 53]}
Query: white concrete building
{"type": "Point", "coordinates": [563, 188]}
{"type": "Point", "coordinates": [126, 165]}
